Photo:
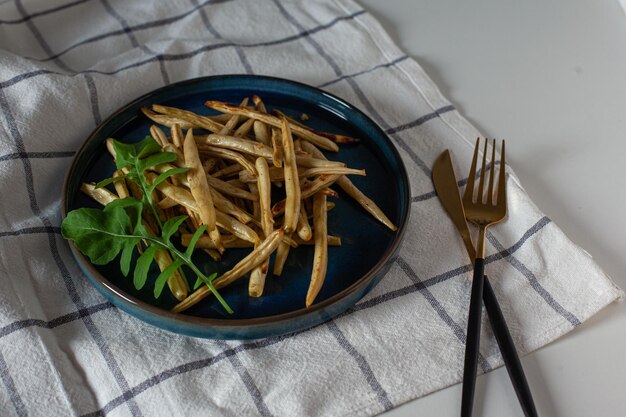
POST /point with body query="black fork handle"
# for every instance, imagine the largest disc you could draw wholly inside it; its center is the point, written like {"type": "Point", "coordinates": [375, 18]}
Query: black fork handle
{"type": "Point", "coordinates": [472, 344]}
{"type": "Point", "coordinates": [509, 353]}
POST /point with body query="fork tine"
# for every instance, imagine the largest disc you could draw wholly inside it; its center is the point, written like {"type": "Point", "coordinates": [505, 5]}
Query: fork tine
{"type": "Point", "coordinates": [501, 202]}
{"type": "Point", "coordinates": [469, 188]}
{"type": "Point", "coordinates": [483, 174]}
{"type": "Point", "coordinates": [491, 173]}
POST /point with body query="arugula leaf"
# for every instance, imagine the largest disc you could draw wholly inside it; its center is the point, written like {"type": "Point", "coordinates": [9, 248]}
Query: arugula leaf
{"type": "Point", "coordinates": [103, 234]}
{"type": "Point", "coordinates": [199, 282]}
{"type": "Point", "coordinates": [194, 240]}
{"type": "Point", "coordinates": [143, 266]}
{"type": "Point", "coordinates": [135, 205]}
{"type": "Point", "coordinates": [189, 251]}
{"type": "Point", "coordinates": [165, 175]}
{"type": "Point", "coordinates": [159, 284]}
{"type": "Point", "coordinates": [138, 157]}
{"type": "Point", "coordinates": [171, 226]}
{"type": "Point", "coordinates": [108, 181]}
{"type": "Point", "coordinates": [146, 147]}
{"type": "Point", "coordinates": [127, 153]}
{"type": "Point", "coordinates": [98, 234]}
{"type": "Point", "coordinates": [155, 159]}
{"type": "Point", "coordinates": [127, 255]}
{"type": "Point", "coordinates": [124, 154]}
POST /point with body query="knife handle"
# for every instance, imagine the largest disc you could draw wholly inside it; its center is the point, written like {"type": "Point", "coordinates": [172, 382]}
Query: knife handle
{"type": "Point", "coordinates": [472, 343]}
{"type": "Point", "coordinates": [509, 353]}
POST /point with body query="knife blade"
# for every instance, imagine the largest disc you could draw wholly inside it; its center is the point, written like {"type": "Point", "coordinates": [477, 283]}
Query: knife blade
{"type": "Point", "coordinates": [447, 191]}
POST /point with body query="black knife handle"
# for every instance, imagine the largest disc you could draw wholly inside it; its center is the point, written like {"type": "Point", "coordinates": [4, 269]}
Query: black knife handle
{"type": "Point", "coordinates": [472, 344]}
{"type": "Point", "coordinates": [509, 353]}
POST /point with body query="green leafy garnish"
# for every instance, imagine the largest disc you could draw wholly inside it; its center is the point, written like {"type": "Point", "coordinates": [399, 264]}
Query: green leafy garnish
{"type": "Point", "coordinates": [137, 158]}
{"type": "Point", "coordinates": [117, 229]}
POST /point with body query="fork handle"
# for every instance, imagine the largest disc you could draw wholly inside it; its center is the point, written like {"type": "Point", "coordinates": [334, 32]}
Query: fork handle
{"type": "Point", "coordinates": [472, 344]}
{"type": "Point", "coordinates": [509, 354]}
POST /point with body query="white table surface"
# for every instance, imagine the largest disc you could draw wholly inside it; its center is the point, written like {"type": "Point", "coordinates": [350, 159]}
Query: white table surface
{"type": "Point", "coordinates": [550, 77]}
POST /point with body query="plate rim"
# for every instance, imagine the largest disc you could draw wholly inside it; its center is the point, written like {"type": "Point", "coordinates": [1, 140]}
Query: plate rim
{"type": "Point", "coordinates": [117, 295]}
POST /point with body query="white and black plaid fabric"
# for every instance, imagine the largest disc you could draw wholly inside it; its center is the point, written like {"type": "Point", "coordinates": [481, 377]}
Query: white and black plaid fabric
{"type": "Point", "coordinates": [67, 64]}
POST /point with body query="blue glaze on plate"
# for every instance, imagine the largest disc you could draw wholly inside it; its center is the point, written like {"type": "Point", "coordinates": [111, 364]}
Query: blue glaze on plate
{"type": "Point", "coordinates": [354, 268]}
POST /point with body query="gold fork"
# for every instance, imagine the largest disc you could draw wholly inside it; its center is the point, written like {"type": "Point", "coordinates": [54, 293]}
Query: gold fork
{"type": "Point", "coordinates": [483, 211]}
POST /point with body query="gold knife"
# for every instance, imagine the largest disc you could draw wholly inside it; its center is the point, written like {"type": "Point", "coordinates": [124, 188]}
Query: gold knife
{"type": "Point", "coordinates": [447, 190]}
{"type": "Point", "coordinates": [448, 193]}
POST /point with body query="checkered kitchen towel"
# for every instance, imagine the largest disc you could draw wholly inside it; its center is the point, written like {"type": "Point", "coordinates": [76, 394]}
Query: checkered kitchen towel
{"type": "Point", "coordinates": [66, 65]}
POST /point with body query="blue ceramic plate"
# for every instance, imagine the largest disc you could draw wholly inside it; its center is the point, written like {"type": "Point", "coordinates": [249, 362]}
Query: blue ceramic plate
{"type": "Point", "coordinates": [354, 268]}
